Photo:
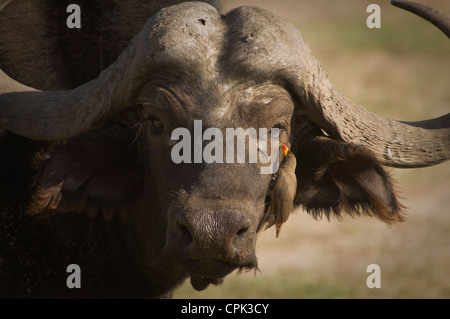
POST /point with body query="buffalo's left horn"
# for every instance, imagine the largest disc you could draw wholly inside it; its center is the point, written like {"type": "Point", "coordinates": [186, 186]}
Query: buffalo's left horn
{"type": "Point", "coordinates": [439, 19]}
{"type": "Point", "coordinates": [279, 52]}
{"type": "Point", "coordinates": [398, 144]}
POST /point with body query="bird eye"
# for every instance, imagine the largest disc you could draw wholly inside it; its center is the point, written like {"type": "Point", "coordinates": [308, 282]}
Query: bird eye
{"type": "Point", "coordinates": [156, 125]}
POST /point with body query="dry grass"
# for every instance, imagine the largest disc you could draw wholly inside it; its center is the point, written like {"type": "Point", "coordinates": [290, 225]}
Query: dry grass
{"type": "Point", "coordinates": [399, 71]}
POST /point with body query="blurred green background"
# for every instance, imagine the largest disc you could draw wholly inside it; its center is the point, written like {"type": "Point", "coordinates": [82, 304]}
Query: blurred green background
{"type": "Point", "coordinates": [401, 71]}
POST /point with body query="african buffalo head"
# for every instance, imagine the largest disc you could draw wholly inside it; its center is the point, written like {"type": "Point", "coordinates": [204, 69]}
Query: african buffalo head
{"type": "Point", "coordinates": [113, 140]}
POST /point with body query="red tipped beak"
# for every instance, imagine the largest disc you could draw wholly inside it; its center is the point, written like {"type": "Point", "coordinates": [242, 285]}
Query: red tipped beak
{"type": "Point", "coordinates": [285, 150]}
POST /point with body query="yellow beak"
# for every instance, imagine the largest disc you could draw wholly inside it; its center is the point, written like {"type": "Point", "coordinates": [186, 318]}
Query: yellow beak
{"type": "Point", "coordinates": [285, 150]}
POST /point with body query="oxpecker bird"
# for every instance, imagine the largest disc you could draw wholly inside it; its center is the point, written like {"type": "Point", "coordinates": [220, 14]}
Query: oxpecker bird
{"type": "Point", "coordinates": [282, 191]}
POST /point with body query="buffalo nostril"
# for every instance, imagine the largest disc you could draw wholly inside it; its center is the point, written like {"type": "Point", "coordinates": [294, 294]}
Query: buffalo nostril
{"type": "Point", "coordinates": [185, 233]}
{"type": "Point", "coordinates": [242, 231]}
{"type": "Point", "coordinates": [240, 236]}
{"type": "Point", "coordinates": [212, 233]}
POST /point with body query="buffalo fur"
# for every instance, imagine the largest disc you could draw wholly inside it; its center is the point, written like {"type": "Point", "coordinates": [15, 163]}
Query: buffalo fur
{"type": "Point", "coordinates": [335, 177]}
{"type": "Point", "coordinates": [56, 209]}
{"type": "Point", "coordinates": [71, 179]}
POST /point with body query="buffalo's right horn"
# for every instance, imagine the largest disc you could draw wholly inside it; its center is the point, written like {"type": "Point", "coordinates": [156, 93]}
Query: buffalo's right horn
{"type": "Point", "coordinates": [164, 40]}
{"type": "Point", "coordinates": [56, 115]}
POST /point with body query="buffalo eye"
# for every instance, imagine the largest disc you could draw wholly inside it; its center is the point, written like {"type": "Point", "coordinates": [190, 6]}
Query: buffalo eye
{"type": "Point", "coordinates": [280, 126]}
{"type": "Point", "coordinates": [156, 125]}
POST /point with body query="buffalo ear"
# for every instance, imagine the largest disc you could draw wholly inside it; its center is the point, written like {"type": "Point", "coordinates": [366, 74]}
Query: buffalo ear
{"type": "Point", "coordinates": [96, 172]}
{"type": "Point", "coordinates": [335, 177]}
